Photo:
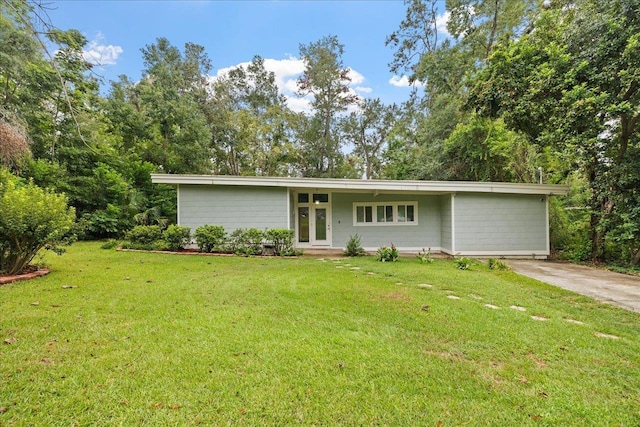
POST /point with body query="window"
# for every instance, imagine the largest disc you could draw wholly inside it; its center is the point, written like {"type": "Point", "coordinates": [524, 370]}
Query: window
{"type": "Point", "coordinates": [398, 213]}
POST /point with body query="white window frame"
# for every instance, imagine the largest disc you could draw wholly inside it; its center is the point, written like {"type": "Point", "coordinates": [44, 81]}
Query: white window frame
{"type": "Point", "coordinates": [374, 208]}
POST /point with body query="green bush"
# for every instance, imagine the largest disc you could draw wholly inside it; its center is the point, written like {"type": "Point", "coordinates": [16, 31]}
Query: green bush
{"type": "Point", "coordinates": [282, 241]}
{"type": "Point", "coordinates": [246, 241]}
{"type": "Point", "coordinates": [353, 247]}
{"type": "Point", "coordinates": [463, 263]}
{"type": "Point", "coordinates": [496, 264]}
{"type": "Point", "coordinates": [109, 244]}
{"type": "Point", "coordinates": [144, 235]}
{"type": "Point", "coordinates": [387, 254]}
{"type": "Point", "coordinates": [30, 219]}
{"type": "Point", "coordinates": [210, 238]}
{"type": "Point", "coordinates": [425, 256]}
{"type": "Point", "coordinates": [177, 237]}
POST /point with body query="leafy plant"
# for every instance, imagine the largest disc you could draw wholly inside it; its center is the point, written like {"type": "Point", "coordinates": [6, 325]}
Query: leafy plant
{"type": "Point", "coordinates": [144, 235]}
{"type": "Point", "coordinates": [210, 238]}
{"type": "Point", "coordinates": [496, 264]}
{"type": "Point", "coordinates": [354, 248]}
{"type": "Point", "coordinates": [281, 239]}
{"type": "Point", "coordinates": [425, 256]}
{"type": "Point", "coordinates": [31, 218]}
{"type": "Point", "coordinates": [109, 244]}
{"type": "Point", "coordinates": [177, 237]}
{"type": "Point", "coordinates": [463, 263]}
{"type": "Point", "coordinates": [247, 241]}
{"type": "Point", "coordinates": [387, 254]}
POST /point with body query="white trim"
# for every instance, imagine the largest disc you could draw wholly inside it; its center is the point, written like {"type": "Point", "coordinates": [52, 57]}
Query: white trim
{"type": "Point", "coordinates": [548, 237]}
{"type": "Point", "coordinates": [405, 249]}
{"type": "Point", "coordinates": [372, 185]}
{"type": "Point", "coordinates": [374, 206]}
{"type": "Point", "coordinates": [289, 195]}
{"type": "Point", "coordinates": [453, 223]}
{"type": "Point", "coordinates": [497, 253]}
{"type": "Point", "coordinates": [178, 204]}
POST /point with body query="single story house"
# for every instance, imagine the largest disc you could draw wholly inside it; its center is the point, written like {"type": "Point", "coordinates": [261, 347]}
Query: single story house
{"type": "Point", "coordinates": [457, 218]}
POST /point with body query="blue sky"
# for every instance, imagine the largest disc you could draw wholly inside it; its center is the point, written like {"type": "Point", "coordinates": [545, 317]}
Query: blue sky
{"type": "Point", "coordinates": [232, 32]}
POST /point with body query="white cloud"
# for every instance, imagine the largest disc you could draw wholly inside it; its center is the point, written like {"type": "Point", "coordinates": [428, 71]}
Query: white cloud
{"type": "Point", "coordinates": [98, 53]}
{"type": "Point", "coordinates": [441, 24]}
{"type": "Point", "coordinates": [356, 77]}
{"type": "Point", "coordinates": [363, 89]}
{"type": "Point", "coordinates": [399, 81]}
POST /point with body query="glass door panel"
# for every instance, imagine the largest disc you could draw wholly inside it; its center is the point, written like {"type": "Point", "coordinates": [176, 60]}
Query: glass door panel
{"type": "Point", "coordinates": [303, 224]}
{"type": "Point", "coordinates": [321, 223]}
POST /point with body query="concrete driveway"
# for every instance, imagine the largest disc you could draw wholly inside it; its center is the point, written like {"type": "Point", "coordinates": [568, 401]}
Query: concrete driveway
{"type": "Point", "coordinates": [606, 286]}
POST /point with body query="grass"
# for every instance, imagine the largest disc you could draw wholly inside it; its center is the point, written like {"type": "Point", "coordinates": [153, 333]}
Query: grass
{"type": "Point", "coordinates": [125, 338]}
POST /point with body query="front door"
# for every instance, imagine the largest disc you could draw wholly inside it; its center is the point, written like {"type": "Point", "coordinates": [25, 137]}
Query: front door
{"type": "Point", "coordinates": [313, 220]}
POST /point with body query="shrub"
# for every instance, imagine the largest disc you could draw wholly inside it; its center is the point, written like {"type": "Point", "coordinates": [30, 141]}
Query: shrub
{"type": "Point", "coordinates": [496, 264]}
{"type": "Point", "coordinates": [30, 219]}
{"type": "Point", "coordinates": [144, 235]}
{"type": "Point", "coordinates": [176, 237]}
{"type": "Point", "coordinates": [210, 238]}
{"type": "Point", "coordinates": [425, 256]}
{"type": "Point", "coordinates": [282, 241]}
{"type": "Point", "coordinates": [387, 254]}
{"type": "Point", "coordinates": [247, 241]}
{"type": "Point", "coordinates": [353, 247]}
{"type": "Point", "coordinates": [110, 244]}
{"type": "Point", "coordinates": [463, 263]}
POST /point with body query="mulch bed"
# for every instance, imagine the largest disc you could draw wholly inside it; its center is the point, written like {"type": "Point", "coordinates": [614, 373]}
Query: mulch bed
{"type": "Point", "coordinates": [31, 272]}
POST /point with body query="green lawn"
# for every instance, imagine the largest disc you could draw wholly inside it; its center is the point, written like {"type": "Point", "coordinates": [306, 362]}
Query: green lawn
{"type": "Point", "coordinates": [126, 338]}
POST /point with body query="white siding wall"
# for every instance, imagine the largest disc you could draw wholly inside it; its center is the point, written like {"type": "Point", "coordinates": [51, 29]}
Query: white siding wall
{"type": "Point", "coordinates": [500, 224]}
{"type": "Point", "coordinates": [233, 207]}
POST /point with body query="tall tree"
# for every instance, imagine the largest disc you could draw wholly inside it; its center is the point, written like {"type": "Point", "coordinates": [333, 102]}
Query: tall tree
{"type": "Point", "coordinates": [327, 80]}
{"type": "Point", "coordinates": [250, 123]}
{"type": "Point", "coordinates": [572, 84]}
{"type": "Point", "coordinates": [367, 130]}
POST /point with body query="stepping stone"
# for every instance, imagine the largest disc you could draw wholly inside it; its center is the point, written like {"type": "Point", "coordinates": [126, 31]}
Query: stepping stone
{"type": "Point", "coordinates": [542, 319]}
{"type": "Point", "coordinates": [321, 259]}
{"type": "Point", "coordinates": [577, 322]}
{"type": "Point", "coordinates": [347, 265]}
{"type": "Point", "coordinates": [611, 337]}
{"type": "Point", "coordinates": [517, 307]}
{"type": "Point", "coordinates": [476, 297]}
{"type": "Point", "coordinates": [339, 266]}
{"type": "Point", "coordinates": [371, 273]}
{"type": "Point", "coordinates": [425, 285]}
{"type": "Point", "coordinates": [494, 307]}
{"type": "Point", "coordinates": [355, 268]}
{"type": "Point", "coordinates": [399, 283]}
{"type": "Point", "coordinates": [452, 297]}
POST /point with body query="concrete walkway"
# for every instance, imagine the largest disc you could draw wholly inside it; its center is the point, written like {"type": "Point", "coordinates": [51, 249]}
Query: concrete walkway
{"type": "Point", "coordinates": [606, 286]}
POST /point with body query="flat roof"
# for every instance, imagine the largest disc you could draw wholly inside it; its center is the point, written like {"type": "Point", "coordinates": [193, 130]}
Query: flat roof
{"type": "Point", "coordinates": [378, 185]}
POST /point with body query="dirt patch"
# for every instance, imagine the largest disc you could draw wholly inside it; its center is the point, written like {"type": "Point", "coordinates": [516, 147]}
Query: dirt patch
{"type": "Point", "coordinates": [396, 296]}
{"type": "Point", "coordinates": [30, 273]}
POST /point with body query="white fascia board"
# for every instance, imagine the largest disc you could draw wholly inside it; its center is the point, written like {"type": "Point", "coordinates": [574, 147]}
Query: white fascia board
{"type": "Point", "coordinates": [364, 185]}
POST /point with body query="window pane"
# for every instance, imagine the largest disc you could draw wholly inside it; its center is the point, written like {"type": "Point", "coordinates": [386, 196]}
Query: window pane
{"type": "Point", "coordinates": [303, 224]}
{"type": "Point", "coordinates": [303, 198]}
{"type": "Point", "coordinates": [410, 213]}
{"type": "Point", "coordinates": [321, 224]}
{"type": "Point", "coordinates": [320, 198]}
{"type": "Point", "coordinates": [401, 213]}
{"type": "Point", "coordinates": [368, 214]}
{"type": "Point", "coordinates": [389, 212]}
{"type": "Point", "coordinates": [360, 214]}
{"type": "Point", "coordinates": [380, 212]}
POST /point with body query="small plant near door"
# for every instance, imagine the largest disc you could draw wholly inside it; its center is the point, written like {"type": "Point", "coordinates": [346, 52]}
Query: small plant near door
{"type": "Point", "coordinates": [425, 256]}
{"type": "Point", "coordinates": [463, 263]}
{"type": "Point", "coordinates": [387, 254]}
{"type": "Point", "coordinates": [496, 264]}
{"type": "Point", "coordinates": [354, 248]}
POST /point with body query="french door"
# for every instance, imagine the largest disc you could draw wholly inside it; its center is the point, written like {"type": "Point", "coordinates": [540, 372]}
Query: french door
{"type": "Point", "coordinates": [313, 220]}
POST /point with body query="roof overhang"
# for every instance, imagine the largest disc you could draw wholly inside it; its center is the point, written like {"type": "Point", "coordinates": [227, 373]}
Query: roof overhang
{"type": "Point", "coordinates": [378, 185]}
